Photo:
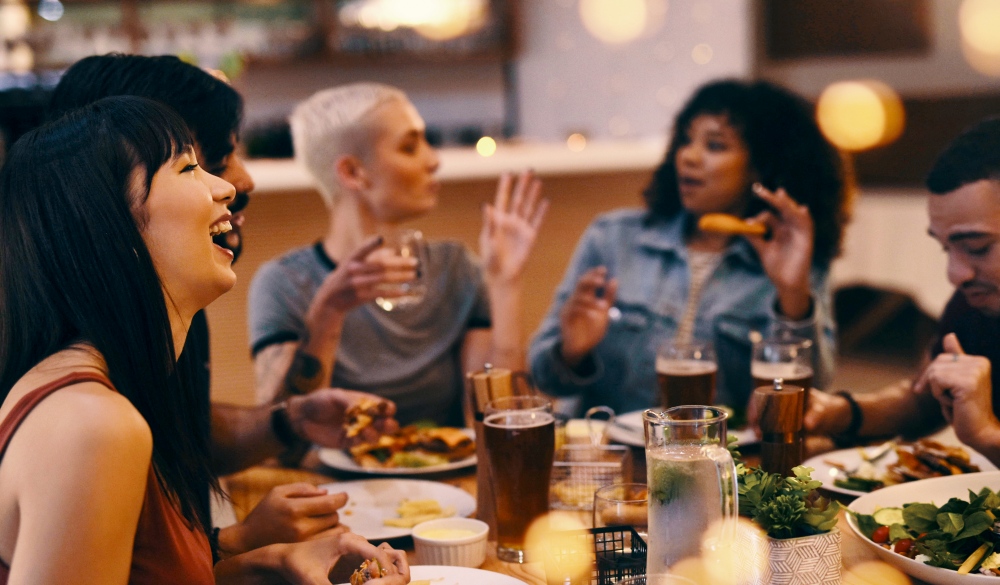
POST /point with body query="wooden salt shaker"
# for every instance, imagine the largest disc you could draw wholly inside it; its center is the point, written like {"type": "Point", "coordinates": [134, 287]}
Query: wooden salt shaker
{"type": "Point", "coordinates": [483, 387]}
{"type": "Point", "coordinates": [780, 409]}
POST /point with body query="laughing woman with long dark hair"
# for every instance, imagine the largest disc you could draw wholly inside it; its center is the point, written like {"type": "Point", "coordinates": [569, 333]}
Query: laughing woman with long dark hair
{"type": "Point", "coordinates": [106, 253]}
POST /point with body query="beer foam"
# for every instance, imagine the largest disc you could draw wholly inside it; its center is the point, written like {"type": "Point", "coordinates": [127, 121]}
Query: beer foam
{"type": "Point", "coordinates": [524, 419]}
{"type": "Point", "coordinates": [771, 370]}
{"type": "Point", "coordinates": [674, 367]}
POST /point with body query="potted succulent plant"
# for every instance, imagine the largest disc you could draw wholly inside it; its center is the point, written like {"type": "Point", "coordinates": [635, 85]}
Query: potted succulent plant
{"type": "Point", "coordinates": [798, 542]}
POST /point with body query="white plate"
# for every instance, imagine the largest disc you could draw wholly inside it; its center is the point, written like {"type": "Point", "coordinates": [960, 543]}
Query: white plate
{"type": "Point", "coordinates": [441, 575]}
{"type": "Point", "coordinates": [627, 430]}
{"type": "Point", "coordinates": [370, 501]}
{"type": "Point", "coordinates": [341, 461]}
{"type": "Point", "coordinates": [937, 491]}
{"type": "Point", "coordinates": [851, 458]}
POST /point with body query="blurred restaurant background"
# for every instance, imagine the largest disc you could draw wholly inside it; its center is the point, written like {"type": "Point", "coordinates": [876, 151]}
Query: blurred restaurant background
{"type": "Point", "coordinates": [584, 92]}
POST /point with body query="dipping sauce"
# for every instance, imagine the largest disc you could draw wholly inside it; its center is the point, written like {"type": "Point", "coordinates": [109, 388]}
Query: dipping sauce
{"type": "Point", "coordinates": [446, 534]}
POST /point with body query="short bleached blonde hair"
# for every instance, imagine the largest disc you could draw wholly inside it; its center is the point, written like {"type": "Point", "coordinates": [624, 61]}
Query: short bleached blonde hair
{"type": "Point", "coordinates": [333, 123]}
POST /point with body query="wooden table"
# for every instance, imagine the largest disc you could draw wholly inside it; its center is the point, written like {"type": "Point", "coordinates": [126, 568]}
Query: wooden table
{"type": "Point", "coordinates": [247, 488]}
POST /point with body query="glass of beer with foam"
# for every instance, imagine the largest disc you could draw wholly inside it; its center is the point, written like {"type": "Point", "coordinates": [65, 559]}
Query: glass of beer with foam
{"type": "Point", "coordinates": [685, 372]}
{"type": "Point", "coordinates": [519, 433]}
{"type": "Point", "coordinates": [783, 356]}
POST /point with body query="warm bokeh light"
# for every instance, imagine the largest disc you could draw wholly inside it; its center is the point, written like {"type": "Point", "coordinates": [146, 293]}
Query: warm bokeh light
{"type": "Point", "coordinates": [702, 54]}
{"type": "Point", "coordinates": [552, 536]}
{"type": "Point", "coordinates": [14, 20]}
{"type": "Point", "coordinates": [860, 115]}
{"type": "Point", "coordinates": [978, 22]}
{"type": "Point", "coordinates": [435, 19]}
{"type": "Point", "coordinates": [878, 573]}
{"type": "Point", "coordinates": [486, 146]}
{"type": "Point", "coordinates": [21, 58]}
{"type": "Point", "coordinates": [615, 21]}
{"type": "Point", "coordinates": [576, 142]}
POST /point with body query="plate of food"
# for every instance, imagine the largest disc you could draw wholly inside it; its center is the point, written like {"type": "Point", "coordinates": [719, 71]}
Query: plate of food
{"type": "Point", "coordinates": [410, 451]}
{"type": "Point", "coordinates": [627, 430]}
{"type": "Point", "coordinates": [857, 471]}
{"type": "Point", "coordinates": [442, 575]}
{"type": "Point", "coordinates": [379, 509]}
{"type": "Point", "coordinates": [940, 530]}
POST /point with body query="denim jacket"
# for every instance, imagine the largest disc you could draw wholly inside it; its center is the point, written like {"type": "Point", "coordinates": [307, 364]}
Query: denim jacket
{"type": "Point", "coordinates": [650, 262]}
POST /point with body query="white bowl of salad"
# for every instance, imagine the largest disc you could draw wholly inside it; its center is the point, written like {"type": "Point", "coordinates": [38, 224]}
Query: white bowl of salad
{"type": "Point", "coordinates": [944, 530]}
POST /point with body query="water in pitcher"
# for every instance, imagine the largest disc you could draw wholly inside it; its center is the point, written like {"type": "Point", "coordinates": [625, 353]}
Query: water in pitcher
{"type": "Point", "coordinates": [683, 502]}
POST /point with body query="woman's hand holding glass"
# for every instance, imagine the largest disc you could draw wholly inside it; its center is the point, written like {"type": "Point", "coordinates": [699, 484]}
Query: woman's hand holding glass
{"type": "Point", "coordinates": [584, 318]}
{"type": "Point", "coordinates": [788, 253]}
{"type": "Point", "coordinates": [511, 225]}
{"type": "Point", "coordinates": [357, 280]}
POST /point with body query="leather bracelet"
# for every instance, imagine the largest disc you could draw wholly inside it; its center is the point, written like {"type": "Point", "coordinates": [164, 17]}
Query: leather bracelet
{"type": "Point", "coordinates": [295, 446]}
{"type": "Point", "coordinates": [850, 434]}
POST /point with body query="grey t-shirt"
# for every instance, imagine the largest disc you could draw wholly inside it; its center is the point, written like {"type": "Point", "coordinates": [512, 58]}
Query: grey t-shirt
{"type": "Point", "coordinates": [410, 355]}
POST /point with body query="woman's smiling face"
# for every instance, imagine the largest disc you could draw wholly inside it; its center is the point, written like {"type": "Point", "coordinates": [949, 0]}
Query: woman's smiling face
{"type": "Point", "coordinates": [713, 167]}
{"type": "Point", "coordinates": [185, 208]}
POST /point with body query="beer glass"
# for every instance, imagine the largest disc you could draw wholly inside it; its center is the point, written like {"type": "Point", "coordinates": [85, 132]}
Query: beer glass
{"type": "Point", "coordinates": [691, 481]}
{"type": "Point", "coordinates": [519, 433]}
{"type": "Point", "coordinates": [685, 372]}
{"type": "Point", "coordinates": [785, 357]}
{"type": "Point", "coordinates": [405, 243]}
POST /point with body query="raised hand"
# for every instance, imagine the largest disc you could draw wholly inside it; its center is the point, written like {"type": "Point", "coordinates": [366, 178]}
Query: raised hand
{"type": "Point", "coordinates": [510, 226]}
{"type": "Point", "coordinates": [787, 254]}
{"type": "Point", "coordinates": [320, 416]}
{"type": "Point", "coordinates": [288, 513]}
{"type": "Point", "coordinates": [583, 320]}
{"type": "Point", "coordinates": [962, 385]}
{"type": "Point", "coordinates": [356, 280]}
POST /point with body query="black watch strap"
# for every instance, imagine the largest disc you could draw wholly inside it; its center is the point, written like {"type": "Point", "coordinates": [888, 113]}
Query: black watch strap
{"type": "Point", "coordinates": [850, 434]}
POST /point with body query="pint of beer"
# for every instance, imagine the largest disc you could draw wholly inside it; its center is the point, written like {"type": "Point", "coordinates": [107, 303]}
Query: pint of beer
{"type": "Point", "coordinates": [785, 357]}
{"type": "Point", "coordinates": [685, 373]}
{"type": "Point", "coordinates": [519, 432]}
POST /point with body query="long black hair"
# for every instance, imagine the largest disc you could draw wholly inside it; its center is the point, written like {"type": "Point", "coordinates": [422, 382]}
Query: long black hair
{"type": "Point", "coordinates": [74, 269]}
{"type": "Point", "coordinates": [786, 147]}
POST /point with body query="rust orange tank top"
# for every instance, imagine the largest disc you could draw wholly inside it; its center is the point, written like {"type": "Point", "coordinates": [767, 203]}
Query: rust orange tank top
{"type": "Point", "coordinates": [167, 549]}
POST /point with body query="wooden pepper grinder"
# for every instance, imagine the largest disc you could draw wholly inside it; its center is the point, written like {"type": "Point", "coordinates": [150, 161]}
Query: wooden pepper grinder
{"type": "Point", "coordinates": [484, 386]}
{"type": "Point", "coordinates": [780, 409]}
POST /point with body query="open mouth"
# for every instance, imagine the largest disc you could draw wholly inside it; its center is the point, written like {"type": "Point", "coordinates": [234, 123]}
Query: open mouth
{"type": "Point", "coordinates": [689, 182]}
{"type": "Point", "coordinates": [219, 228]}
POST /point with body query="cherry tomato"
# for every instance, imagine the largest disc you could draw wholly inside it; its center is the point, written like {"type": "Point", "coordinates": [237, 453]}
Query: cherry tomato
{"type": "Point", "coordinates": [881, 534]}
{"type": "Point", "coordinates": [903, 546]}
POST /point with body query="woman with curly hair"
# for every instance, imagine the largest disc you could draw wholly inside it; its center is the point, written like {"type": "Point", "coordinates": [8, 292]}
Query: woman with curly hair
{"type": "Point", "coordinates": [642, 277]}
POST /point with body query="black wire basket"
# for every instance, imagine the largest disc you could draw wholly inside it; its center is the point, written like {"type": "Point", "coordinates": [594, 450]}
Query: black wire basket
{"type": "Point", "coordinates": [614, 553]}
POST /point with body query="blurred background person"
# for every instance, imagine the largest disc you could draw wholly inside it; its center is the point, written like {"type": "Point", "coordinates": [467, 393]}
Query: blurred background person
{"type": "Point", "coordinates": [749, 149]}
{"type": "Point", "coordinates": [365, 146]}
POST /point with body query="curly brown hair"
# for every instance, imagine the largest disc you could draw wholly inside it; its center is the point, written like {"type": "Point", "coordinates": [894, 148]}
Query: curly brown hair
{"type": "Point", "coordinates": [786, 150]}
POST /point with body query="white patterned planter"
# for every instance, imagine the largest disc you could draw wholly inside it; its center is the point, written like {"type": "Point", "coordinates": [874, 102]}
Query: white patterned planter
{"type": "Point", "coordinates": [809, 560]}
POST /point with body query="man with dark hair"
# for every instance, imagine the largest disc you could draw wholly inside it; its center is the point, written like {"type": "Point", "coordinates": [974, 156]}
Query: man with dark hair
{"type": "Point", "coordinates": [239, 436]}
{"type": "Point", "coordinates": [958, 385]}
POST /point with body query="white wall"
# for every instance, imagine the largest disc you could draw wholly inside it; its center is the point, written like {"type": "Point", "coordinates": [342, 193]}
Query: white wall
{"type": "Point", "coordinates": [571, 82]}
{"type": "Point", "coordinates": [943, 71]}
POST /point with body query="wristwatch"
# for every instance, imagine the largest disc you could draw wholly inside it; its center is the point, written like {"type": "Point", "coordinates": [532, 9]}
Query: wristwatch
{"type": "Point", "coordinates": [295, 446]}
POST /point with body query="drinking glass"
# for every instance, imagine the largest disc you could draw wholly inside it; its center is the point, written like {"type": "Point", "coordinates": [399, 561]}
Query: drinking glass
{"type": "Point", "coordinates": [691, 481]}
{"type": "Point", "coordinates": [519, 434]}
{"type": "Point", "coordinates": [685, 372]}
{"type": "Point", "coordinates": [622, 504]}
{"type": "Point", "coordinates": [404, 243]}
{"type": "Point", "coordinates": [785, 357]}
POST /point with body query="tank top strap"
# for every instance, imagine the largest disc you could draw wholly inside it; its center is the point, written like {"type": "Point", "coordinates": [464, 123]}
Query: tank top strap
{"type": "Point", "coordinates": [29, 401]}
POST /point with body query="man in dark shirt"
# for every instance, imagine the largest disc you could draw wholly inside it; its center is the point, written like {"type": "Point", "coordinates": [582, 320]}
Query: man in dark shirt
{"type": "Point", "coordinates": [958, 385]}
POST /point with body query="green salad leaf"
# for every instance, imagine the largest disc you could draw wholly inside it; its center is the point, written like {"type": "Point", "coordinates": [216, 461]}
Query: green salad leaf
{"type": "Point", "coordinates": [948, 535]}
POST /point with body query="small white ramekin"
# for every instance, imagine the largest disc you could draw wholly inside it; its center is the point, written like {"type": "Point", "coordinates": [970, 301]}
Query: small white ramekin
{"type": "Point", "coordinates": [469, 551]}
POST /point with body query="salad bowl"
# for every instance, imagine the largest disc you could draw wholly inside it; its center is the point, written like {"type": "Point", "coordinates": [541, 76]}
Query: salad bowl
{"type": "Point", "coordinates": [937, 491]}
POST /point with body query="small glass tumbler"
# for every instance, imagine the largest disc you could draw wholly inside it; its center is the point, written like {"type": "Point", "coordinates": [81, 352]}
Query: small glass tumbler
{"type": "Point", "coordinates": [622, 504]}
{"type": "Point", "coordinates": [405, 243]}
